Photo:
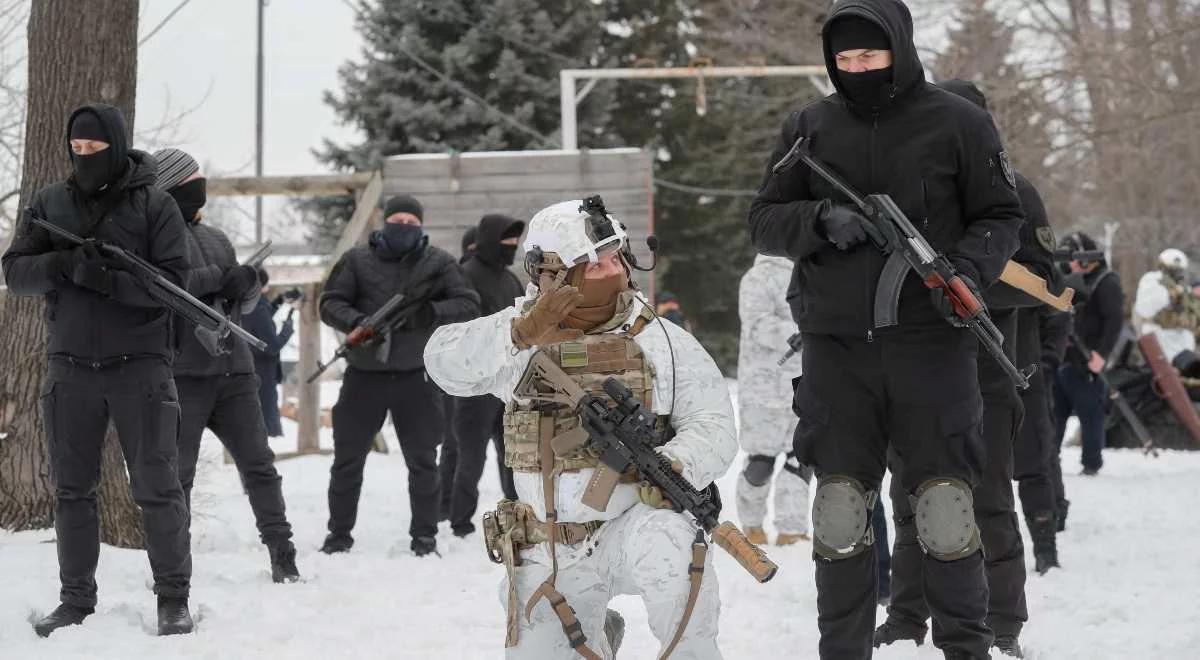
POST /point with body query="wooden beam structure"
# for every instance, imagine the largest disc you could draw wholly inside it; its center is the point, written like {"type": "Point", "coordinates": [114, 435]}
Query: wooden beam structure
{"type": "Point", "coordinates": [294, 186]}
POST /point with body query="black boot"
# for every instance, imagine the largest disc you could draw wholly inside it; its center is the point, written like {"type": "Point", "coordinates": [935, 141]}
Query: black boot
{"type": "Point", "coordinates": [424, 545]}
{"type": "Point", "coordinates": [63, 615]}
{"type": "Point", "coordinates": [1061, 515]}
{"type": "Point", "coordinates": [614, 630]}
{"type": "Point", "coordinates": [1008, 645]}
{"type": "Point", "coordinates": [283, 562]}
{"type": "Point", "coordinates": [335, 543]}
{"type": "Point", "coordinates": [889, 632]}
{"type": "Point", "coordinates": [173, 616]}
{"type": "Point", "coordinates": [1042, 526]}
{"type": "Point", "coordinates": [959, 654]}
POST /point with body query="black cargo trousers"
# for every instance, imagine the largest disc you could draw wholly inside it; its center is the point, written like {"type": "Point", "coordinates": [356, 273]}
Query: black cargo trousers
{"type": "Point", "coordinates": [365, 400]}
{"type": "Point", "coordinates": [475, 420]}
{"type": "Point", "coordinates": [138, 395]}
{"type": "Point", "coordinates": [995, 514]}
{"type": "Point", "coordinates": [915, 392]}
{"type": "Point", "coordinates": [228, 405]}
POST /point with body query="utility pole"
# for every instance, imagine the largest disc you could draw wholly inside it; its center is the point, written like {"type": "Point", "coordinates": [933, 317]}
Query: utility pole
{"type": "Point", "coordinates": [258, 127]}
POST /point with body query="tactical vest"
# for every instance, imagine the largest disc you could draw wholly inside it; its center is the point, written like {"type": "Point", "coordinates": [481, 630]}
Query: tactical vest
{"type": "Point", "coordinates": [589, 361]}
{"type": "Point", "coordinates": [1183, 311]}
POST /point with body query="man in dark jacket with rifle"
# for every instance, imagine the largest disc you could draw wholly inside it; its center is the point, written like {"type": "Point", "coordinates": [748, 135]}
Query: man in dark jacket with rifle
{"type": "Point", "coordinates": [220, 392]}
{"type": "Point", "coordinates": [110, 349]}
{"type": "Point", "coordinates": [912, 388]}
{"type": "Point", "coordinates": [386, 372]}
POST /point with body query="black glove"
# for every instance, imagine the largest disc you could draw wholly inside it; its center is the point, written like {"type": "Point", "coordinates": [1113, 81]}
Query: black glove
{"type": "Point", "coordinates": [422, 317]}
{"type": "Point", "coordinates": [238, 281]}
{"type": "Point", "coordinates": [94, 274]}
{"type": "Point", "coordinates": [843, 226]}
{"type": "Point", "coordinates": [69, 260]}
{"type": "Point", "coordinates": [945, 307]}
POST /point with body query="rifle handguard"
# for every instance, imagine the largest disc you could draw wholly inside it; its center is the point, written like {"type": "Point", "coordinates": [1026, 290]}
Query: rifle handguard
{"type": "Point", "coordinates": [750, 556]}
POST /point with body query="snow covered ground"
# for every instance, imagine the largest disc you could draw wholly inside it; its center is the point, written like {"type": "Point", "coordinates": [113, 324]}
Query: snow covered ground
{"type": "Point", "coordinates": [1130, 587]}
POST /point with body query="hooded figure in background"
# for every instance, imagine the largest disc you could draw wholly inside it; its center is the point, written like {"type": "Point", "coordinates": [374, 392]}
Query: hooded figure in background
{"type": "Point", "coordinates": [581, 312]}
{"type": "Point", "coordinates": [109, 353]}
{"type": "Point", "coordinates": [912, 389]}
{"type": "Point", "coordinates": [477, 419]}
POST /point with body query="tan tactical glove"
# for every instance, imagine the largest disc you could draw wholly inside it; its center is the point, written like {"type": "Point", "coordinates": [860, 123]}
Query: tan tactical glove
{"type": "Point", "coordinates": [540, 325]}
{"type": "Point", "coordinates": [652, 496]}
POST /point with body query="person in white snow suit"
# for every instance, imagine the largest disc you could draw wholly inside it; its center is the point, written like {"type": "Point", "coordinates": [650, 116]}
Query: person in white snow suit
{"type": "Point", "coordinates": [585, 315]}
{"type": "Point", "coordinates": [766, 422]}
{"type": "Point", "coordinates": [1166, 305]}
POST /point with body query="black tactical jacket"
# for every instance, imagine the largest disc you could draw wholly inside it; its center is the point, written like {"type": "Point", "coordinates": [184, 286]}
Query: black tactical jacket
{"type": "Point", "coordinates": [496, 285]}
{"type": "Point", "coordinates": [210, 254]}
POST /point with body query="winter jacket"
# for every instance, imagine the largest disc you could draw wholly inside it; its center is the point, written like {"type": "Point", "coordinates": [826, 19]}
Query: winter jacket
{"type": "Point", "coordinates": [210, 255]}
{"type": "Point", "coordinates": [478, 357]}
{"type": "Point", "coordinates": [496, 285]}
{"type": "Point", "coordinates": [1099, 319]}
{"type": "Point", "coordinates": [260, 322]}
{"type": "Point", "coordinates": [936, 154]}
{"type": "Point", "coordinates": [364, 279]}
{"type": "Point", "coordinates": [765, 388]}
{"type": "Point", "coordinates": [1152, 298]}
{"type": "Point", "coordinates": [1035, 252]}
{"type": "Point", "coordinates": [85, 325]}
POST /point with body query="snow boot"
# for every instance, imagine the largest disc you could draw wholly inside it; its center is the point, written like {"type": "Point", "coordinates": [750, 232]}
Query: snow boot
{"type": "Point", "coordinates": [1089, 471]}
{"type": "Point", "coordinates": [1009, 646]}
{"type": "Point", "coordinates": [614, 630]}
{"type": "Point", "coordinates": [424, 545]}
{"type": "Point", "coordinates": [62, 616]}
{"type": "Point", "coordinates": [888, 633]}
{"type": "Point", "coordinates": [790, 539]}
{"type": "Point", "coordinates": [959, 654]}
{"type": "Point", "coordinates": [335, 543]}
{"type": "Point", "coordinates": [756, 535]}
{"type": "Point", "coordinates": [283, 562]}
{"type": "Point", "coordinates": [1045, 548]}
{"type": "Point", "coordinates": [463, 531]}
{"type": "Point", "coordinates": [173, 616]}
{"type": "Point", "coordinates": [1062, 515]}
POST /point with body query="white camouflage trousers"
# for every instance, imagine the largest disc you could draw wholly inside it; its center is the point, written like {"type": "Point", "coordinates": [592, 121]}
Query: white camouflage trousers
{"type": "Point", "coordinates": [643, 552]}
{"type": "Point", "coordinates": [768, 432]}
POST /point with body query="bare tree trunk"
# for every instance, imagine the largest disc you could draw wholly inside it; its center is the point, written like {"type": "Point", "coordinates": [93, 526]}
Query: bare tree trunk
{"type": "Point", "coordinates": [79, 52]}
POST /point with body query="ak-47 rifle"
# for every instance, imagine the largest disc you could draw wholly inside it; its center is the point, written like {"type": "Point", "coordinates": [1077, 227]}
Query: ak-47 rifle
{"type": "Point", "coordinates": [894, 234]}
{"type": "Point", "coordinates": [375, 328]}
{"type": "Point", "coordinates": [794, 345]}
{"type": "Point", "coordinates": [624, 437]}
{"type": "Point", "coordinates": [211, 325]}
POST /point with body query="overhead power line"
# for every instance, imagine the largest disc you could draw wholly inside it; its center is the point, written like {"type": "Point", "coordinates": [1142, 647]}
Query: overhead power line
{"type": "Point", "coordinates": [697, 190]}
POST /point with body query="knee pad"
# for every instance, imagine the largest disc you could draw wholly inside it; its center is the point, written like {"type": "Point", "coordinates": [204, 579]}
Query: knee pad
{"type": "Point", "coordinates": [842, 517]}
{"type": "Point", "coordinates": [944, 512]}
{"type": "Point", "coordinates": [793, 465]}
{"type": "Point", "coordinates": [759, 469]}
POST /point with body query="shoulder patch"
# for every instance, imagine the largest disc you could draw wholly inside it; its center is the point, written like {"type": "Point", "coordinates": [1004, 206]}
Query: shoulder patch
{"type": "Point", "coordinates": [1045, 237]}
{"type": "Point", "coordinates": [1007, 168]}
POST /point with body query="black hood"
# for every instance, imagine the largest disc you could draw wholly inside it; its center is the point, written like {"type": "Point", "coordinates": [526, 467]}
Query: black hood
{"type": "Point", "coordinates": [893, 17]}
{"type": "Point", "coordinates": [494, 228]}
{"type": "Point", "coordinates": [113, 122]}
{"type": "Point", "coordinates": [965, 89]}
{"type": "Point", "coordinates": [468, 244]}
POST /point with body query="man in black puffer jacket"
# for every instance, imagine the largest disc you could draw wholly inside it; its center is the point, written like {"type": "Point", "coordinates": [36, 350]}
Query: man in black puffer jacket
{"type": "Point", "coordinates": [220, 392]}
{"type": "Point", "coordinates": [478, 418]}
{"type": "Point", "coordinates": [391, 376]}
{"type": "Point", "coordinates": [110, 351]}
{"type": "Point", "coordinates": [913, 388]}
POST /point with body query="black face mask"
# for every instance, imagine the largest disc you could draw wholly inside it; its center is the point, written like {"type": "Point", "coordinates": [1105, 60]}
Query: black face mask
{"type": "Point", "coordinates": [869, 88]}
{"type": "Point", "coordinates": [401, 239]}
{"type": "Point", "coordinates": [94, 171]}
{"type": "Point", "coordinates": [508, 254]}
{"type": "Point", "coordinates": [190, 197]}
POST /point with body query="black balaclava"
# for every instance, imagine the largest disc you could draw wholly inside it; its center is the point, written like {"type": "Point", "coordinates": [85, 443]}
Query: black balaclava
{"type": "Point", "coordinates": [868, 88]}
{"type": "Point", "coordinates": [400, 239]}
{"type": "Point", "coordinates": [95, 171]}
{"type": "Point", "coordinates": [494, 228]}
{"type": "Point", "coordinates": [174, 168]}
{"type": "Point", "coordinates": [190, 197]}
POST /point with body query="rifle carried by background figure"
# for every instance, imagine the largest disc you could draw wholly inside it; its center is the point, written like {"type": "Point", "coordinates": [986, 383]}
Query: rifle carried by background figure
{"type": "Point", "coordinates": [1067, 255]}
{"type": "Point", "coordinates": [794, 346]}
{"type": "Point", "coordinates": [211, 325]}
{"type": "Point", "coordinates": [906, 249]}
{"type": "Point", "coordinates": [624, 437]}
{"type": "Point", "coordinates": [370, 332]}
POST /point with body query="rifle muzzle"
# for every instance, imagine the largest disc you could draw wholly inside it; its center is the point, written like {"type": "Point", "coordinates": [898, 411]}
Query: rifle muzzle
{"type": "Point", "coordinates": [750, 556]}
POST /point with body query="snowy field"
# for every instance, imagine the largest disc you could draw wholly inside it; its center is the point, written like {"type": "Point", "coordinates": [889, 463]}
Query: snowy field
{"type": "Point", "coordinates": [1130, 587]}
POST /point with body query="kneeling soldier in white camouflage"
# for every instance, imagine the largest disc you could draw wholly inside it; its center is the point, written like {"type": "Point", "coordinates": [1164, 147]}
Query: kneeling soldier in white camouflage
{"type": "Point", "coordinates": [610, 538]}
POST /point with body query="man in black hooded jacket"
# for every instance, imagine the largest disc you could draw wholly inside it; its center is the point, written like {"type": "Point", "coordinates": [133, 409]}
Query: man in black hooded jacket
{"type": "Point", "coordinates": [1006, 457]}
{"type": "Point", "coordinates": [478, 418]}
{"type": "Point", "coordinates": [913, 388]}
{"type": "Point", "coordinates": [110, 351]}
{"type": "Point", "coordinates": [390, 376]}
{"type": "Point", "coordinates": [220, 392]}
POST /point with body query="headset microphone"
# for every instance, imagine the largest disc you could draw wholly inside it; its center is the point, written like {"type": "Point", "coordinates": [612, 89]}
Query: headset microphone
{"type": "Point", "coordinates": [652, 243]}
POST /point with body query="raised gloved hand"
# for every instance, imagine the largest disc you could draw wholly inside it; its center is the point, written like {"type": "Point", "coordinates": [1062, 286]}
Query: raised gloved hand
{"type": "Point", "coordinates": [238, 281]}
{"type": "Point", "coordinates": [652, 496]}
{"type": "Point", "coordinates": [540, 325]}
{"type": "Point", "coordinates": [945, 306]}
{"type": "Point", "coordinates": [843, 226]}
